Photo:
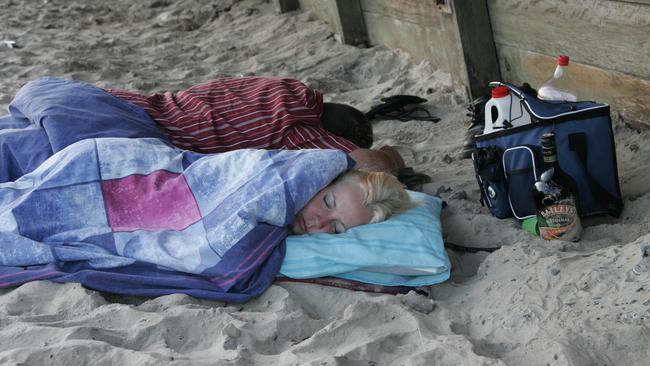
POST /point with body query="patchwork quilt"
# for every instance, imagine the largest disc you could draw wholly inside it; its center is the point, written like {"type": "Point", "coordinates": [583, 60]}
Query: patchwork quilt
{"type": "Point", "coordinates": [140, 217]}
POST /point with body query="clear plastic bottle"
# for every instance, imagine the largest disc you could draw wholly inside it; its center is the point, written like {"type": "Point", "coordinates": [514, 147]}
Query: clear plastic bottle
{"type": "Point", "coordinates": [561, 86]}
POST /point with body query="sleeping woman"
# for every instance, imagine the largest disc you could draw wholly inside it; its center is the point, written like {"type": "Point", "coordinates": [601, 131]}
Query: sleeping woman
{"type": "Point", "coordinates": [355, 198]}
{"type": "Point", "coordinates": [141, 217]}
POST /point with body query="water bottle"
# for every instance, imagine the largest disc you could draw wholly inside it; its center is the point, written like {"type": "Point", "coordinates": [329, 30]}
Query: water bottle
{"type": "Point", "coordinates": [561, 86]}
{"type": "Point", "coordinates": [503, 111]}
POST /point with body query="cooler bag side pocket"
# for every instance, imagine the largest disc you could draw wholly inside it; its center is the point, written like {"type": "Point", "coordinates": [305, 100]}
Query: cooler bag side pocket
{"type": "Point", "coordinates": [587, 152]}
{"type": "Point", "coordinates": [589, 155]}
{"type": "Point", "coordinates": [488, 167]}
{"type": "Point", "coordinates": [593, 196]}
{"type": "Point", "coordinates": [521, 169]}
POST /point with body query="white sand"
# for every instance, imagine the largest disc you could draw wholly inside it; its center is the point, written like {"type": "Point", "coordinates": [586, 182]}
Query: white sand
{"type": "Point", "coordinates": [531, 303]}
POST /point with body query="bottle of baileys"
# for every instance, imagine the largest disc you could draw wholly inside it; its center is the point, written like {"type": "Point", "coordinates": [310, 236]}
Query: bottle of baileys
{"type": "Point", "coordinates": [555, 197]}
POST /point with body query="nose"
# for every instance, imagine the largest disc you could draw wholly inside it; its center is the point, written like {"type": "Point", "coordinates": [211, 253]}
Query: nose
{"type": "Point", "coordinates": [318, 224]}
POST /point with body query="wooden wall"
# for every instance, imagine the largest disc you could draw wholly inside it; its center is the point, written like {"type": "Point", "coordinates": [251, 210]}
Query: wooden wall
{"type": "Point", "coordinates": [427, 29]}
{"type": "Point", "coordinates": [408, 25]}
{"type": "Point", "coordinates": [608, 42]}
{"type": "Point", "coordinates": [324, 10]}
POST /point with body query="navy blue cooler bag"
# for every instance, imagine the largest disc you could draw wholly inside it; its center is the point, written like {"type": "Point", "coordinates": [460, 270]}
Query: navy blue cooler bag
{"type": "Point", "coordinates": [509, 161]}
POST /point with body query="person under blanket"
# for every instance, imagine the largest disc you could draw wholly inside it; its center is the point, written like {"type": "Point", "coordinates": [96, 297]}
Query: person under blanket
{"type": "Point", "coordinates": [356, 197]}
{"type": "Point", "coordinates": [50, 113]}
{"type": "Point", "coordinates": [230, 113]}
{"type": "Point", "coordinates": [138, 216]}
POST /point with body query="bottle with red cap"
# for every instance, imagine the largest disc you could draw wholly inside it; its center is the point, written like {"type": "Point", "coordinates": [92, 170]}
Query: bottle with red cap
{"type": "Point", "coordinates": [504, 111]}
{"type": "Point", "coordinates": [561, 86]}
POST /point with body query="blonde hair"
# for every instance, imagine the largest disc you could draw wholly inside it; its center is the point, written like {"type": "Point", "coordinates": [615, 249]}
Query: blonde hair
{"type": "Point", "coordinates": [383, 194]}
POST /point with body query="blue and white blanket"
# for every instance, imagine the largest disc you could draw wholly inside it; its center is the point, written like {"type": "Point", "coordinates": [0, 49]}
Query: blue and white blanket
{"type": "Point", "coordinates": [140, 217]}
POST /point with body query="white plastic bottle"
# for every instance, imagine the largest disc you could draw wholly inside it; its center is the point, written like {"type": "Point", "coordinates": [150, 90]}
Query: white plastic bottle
{"type": "Point", "coordinates": [504, 111]}
{"type": "Point", "coordinates": [561, 86]}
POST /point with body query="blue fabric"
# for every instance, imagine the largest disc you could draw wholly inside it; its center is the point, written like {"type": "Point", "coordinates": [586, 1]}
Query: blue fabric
{"type": "Point", "coordinates": [70, 111]}
{"type": "Point", "coordinates": [48, 114]}
{"type": "Point", "coordinates": [139, 217]}
{"type": "Point", "coordinates": [405, 250]}
{"type": "Point", "coordinates": [21, 149]}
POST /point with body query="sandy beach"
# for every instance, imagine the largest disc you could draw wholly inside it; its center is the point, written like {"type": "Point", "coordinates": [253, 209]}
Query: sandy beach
{"type": "Point", "coordinates": [533, 302]}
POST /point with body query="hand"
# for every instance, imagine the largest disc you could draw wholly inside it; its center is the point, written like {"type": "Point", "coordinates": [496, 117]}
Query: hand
{"type": "Point", "coordinates": [394, 156]}
{"type": "Point", "coordinates": [386, 159]}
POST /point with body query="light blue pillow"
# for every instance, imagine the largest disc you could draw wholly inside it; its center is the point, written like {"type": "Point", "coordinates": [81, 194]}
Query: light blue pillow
{"type": "Point", "coordinates": [405, 250]}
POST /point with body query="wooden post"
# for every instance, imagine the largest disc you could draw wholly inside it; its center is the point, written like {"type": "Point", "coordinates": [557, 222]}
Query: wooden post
{"type": "Point", "coordinates": [284, 6]}
{"type": "Point", "coordinates": [477, 45]}
{"type": "Point", "coordinates": [351, 27]}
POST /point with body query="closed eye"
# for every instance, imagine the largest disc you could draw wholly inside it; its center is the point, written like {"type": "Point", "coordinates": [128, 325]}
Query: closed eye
{"type": "Point", "coordinates": [328, 201]}
{"type": "Point", "coordinates": [325, 201]}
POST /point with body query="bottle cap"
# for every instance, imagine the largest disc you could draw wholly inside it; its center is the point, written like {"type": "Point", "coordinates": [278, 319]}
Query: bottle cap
{"type": "Point", "coordinates": [500, 91]}
{"type": "Point", "coordinates": [548, 139]}
{"type": "Point", "coordinates": [548, 147]}
{"type": "Point", "coordinates": [563, 60]}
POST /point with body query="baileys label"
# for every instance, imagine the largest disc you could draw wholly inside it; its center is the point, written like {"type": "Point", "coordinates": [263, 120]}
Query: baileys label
{"type": "Point", "coordinates": [560, 221]}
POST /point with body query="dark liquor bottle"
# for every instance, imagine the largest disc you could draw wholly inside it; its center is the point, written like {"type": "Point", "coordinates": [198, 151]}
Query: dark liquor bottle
{"type": "Point", "coordinates": [557, 213]}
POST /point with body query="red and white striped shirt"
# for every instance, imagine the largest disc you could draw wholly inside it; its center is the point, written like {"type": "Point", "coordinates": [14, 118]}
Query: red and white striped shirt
{"type": "Point", "coordinates": [241, 112]}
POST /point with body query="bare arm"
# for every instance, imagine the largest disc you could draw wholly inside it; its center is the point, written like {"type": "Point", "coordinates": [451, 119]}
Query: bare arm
{"type": "Point", "coordinates": [386, 159]}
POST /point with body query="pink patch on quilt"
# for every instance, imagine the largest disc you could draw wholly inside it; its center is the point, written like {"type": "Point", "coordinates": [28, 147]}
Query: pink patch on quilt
{"type": "Point", "coordinates": [158, 201]}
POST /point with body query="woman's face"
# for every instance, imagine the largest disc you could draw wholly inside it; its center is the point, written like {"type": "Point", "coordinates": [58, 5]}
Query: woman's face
{"type": "Point", "coordinates": [334, 209]}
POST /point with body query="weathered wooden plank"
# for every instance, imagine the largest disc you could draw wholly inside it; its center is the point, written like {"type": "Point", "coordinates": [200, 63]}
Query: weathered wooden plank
{"type": "Point", "coordinates": [284, 6]}
{"type": "Point", "coordinates": [410, 25]}
{"type": "Point", "coordinates": [629, 96]}
{"type": "Point", "coordinates": [457, 41]}
{"type": "Point", "coordinates": [453, 49]}
{"type": "Point", "coordinates": [478, 50]}
{"type": "Point", "coordinates": [612, 35]}
{"type": "Point", "coordinates": [345, 17]}
{"type": "Point", "coordinates": [324, 10]}
{"type": "Point", "coordinates": [412, 11]}
{"type": "Point", "coordinates": [422, 42]}
{"type": "Point", "coordinates": [351, 23]}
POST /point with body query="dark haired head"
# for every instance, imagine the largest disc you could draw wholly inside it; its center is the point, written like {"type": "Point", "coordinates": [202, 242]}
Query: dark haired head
{"type": "Point", "coordinates": [347, 122]}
